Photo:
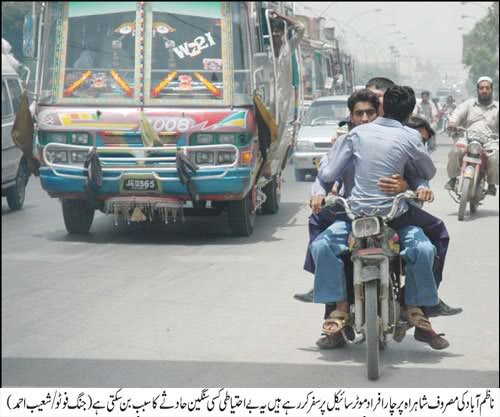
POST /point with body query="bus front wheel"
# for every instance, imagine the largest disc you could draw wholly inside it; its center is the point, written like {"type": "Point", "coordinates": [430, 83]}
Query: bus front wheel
{"type": "Point", "coordinates": [78, 217]}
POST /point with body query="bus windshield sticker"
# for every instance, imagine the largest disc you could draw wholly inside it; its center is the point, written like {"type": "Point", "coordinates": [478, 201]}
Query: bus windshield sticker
{"type": "Point", "coordinates": [122, 83]}
{"type": "Point", "coordinates": [77, 84]}
{"type": "Point", "coordinates": [214, 90]}
{"type": "Point", "coordinates": [163, 84]}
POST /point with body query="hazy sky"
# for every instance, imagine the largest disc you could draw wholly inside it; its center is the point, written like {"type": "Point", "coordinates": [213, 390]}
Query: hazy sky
{"type": "Point", "coordinates": [432, 27]}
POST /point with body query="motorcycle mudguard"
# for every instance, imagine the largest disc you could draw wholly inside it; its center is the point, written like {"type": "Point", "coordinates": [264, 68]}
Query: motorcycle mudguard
{"type": "Point", "coordinates": [469, 171]}
{"type": "Point", "coordinates": [370, 273]}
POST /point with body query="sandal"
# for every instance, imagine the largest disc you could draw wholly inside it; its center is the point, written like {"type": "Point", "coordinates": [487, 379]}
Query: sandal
{"type": "Point", "coordinates": [415, 317]}
{"type": "Point", "coordinates": [339, 318]}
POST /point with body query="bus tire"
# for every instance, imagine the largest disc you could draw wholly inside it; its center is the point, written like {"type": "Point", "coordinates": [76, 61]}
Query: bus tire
{"type": "Point", "coordinates": [78, 217]}
{"type": "Point", "coordinates": [241, 216]}
{"type": "Point", "coordinates": [273, 196]}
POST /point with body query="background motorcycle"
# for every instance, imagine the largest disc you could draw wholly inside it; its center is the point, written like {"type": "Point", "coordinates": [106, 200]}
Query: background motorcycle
{"type": "Point", "coordinates": [470, 187]}
{"type": "Point", "coordinates": [376, 312]}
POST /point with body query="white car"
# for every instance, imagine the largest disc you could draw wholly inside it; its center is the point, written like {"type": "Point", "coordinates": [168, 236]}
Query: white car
{"type": "Point", "coordinates": [14, 168]}
{"type": "Point", "coordinates": [317, 133]}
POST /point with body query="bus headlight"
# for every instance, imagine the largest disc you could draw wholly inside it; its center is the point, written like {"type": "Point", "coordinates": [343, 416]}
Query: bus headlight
{"type": "Point", "coordinates": [80, 138]}
{"type": "Point", "coordinates": [226, 158]}
{"type": "Point", "coordinates": [227, 138]}
{"type": "Point", "coordinates": [58, 157]}
{"type": "Point", "coordinates": [78, 157]}
{"type": "Point", "coordinates": [56, 137]}
{"type": "Point", "coordinates": [204, 139]}
{"type": "Point", "coordinates": [474, 147]}
{"type": "Point", "coordinates": [204, 158]}
{"type": "Point", "coordinates": [365, 227]}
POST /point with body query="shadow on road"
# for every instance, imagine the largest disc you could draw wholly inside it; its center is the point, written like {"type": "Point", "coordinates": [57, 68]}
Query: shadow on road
{"type": "Point", "coordinates": [481, 213]}
{"type": "Point", "coordinates": [195, 231]}
{"type": "Point", "coordinates": [6, 210]}
{"type": "Point", "coordinates": [410, 352]}
{"type": "Point", "coordinates": [57, 372]}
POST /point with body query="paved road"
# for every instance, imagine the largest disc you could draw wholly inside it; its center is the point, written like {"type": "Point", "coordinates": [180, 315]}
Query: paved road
{"type": "Point", "coordinates": [191, 306]}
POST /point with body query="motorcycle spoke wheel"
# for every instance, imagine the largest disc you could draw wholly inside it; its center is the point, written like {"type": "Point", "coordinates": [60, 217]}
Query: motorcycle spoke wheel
{"type": "Point", "coordinates": [372, 330]}
{"type": "Point", "coordinates": [464, 198]}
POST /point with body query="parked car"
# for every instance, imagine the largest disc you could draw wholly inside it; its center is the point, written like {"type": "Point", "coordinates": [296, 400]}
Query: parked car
{"type": "Point", "coordinates": [317, 133]}
{"type": "Point", "coordinates": [14, 168]}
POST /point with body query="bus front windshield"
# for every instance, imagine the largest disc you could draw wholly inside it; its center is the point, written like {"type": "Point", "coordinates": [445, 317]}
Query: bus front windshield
{"type": "Point", "coordinates": [186, 50]}
{"type": "Point", "coordinates": [100, 50]}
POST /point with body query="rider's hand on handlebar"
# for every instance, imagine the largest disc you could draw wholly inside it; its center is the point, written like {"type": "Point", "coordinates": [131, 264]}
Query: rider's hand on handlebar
{"type": "Point", "coordinates": [452, 126]}
{"type": "Point", "coordinates": [316, 203]}
{"type": "Point", "coordinates": [393, 185]}
{"type": "Point", "coordinates": [425, 194]}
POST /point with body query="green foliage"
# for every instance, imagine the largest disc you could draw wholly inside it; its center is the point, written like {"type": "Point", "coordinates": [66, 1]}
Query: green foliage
{"type": "Point", "coordinates": [481, 55]}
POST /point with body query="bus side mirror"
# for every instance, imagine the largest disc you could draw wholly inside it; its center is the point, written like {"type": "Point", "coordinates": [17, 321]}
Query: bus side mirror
{"type": "Point", "coordinates": [29, 36]}
{"type": "Point", "coordinates": [25, 73]}
{"type": "Point", "coordinates": [262, 74]}
{"type": "Point", "coordinates": [261, 66]}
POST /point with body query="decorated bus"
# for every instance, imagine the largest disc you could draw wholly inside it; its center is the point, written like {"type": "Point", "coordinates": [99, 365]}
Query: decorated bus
{"type": "Point", "coordinates": [149, 110]}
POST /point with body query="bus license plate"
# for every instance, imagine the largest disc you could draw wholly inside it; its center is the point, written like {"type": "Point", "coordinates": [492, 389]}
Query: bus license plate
{"type": "Point", "coordinates": [472, 160]}
{"type": "Point", "coordinates": [140, 184]}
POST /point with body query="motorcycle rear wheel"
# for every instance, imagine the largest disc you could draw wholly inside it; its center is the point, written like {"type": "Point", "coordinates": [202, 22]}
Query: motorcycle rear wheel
{"type": "Point", "coordinates": [372, 330]}
{"type": "Point", "coordinates": [464, 198]}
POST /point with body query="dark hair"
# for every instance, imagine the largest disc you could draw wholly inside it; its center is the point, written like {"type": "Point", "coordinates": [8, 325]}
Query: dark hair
{"type": "Point", "coordinates": [399, 102]}
{"type": "Point", "coordinates": [362, 95]}
{"type": "Point", "coordinates": [277, 24]}
{"type": "Point", "coordinates": [416, 123]}
{"type": "Point", "coordinates": [427, 93]}
{"type": "Point", "coordinates": [380, 83]}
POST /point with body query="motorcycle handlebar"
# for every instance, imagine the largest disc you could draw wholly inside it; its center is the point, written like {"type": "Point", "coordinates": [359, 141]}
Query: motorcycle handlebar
{"type": "Point", "coordinates": [407, 195]}
{"type": "Point", "coordinates": [490, 136]}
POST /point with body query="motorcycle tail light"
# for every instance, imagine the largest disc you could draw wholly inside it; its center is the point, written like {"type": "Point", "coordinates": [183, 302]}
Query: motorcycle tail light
{"type": "Point", "coordinates": [474, 148]}
{"type": "Point", "coordinates": [365, 227]}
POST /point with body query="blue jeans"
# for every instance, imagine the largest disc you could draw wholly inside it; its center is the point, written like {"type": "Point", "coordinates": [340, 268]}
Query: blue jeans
{"type": "Point", "coordinates": [433, 227]}
{"type": "Point", "coordinates": [329, 278]}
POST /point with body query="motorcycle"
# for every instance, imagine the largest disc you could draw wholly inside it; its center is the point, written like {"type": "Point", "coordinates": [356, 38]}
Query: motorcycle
{"type": "Point", "coordinates": [470, 187]}
{"type": "Point", "coordinates": [445, 122]}
{"type": "Point", "coordinates": [376, 313]}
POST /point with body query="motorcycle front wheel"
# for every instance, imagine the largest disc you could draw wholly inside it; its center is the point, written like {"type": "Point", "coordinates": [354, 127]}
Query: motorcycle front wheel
{"type": "Point", "coordinates": [372, 330]}
{"type": "Point", "coordinates": [476, 198]}
{"type": "Point", "coordinates": [464, 198]}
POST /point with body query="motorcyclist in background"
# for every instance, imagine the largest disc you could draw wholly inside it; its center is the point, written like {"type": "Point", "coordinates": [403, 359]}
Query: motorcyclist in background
{"type": "Point", "coordinates": [477, 114]}
{"type": "Point", "coordinates": [428, 110]}
{"type": "Point", "coordinates": [448, 108]}
{"type": "Point", "coordinates": [440, 113]}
